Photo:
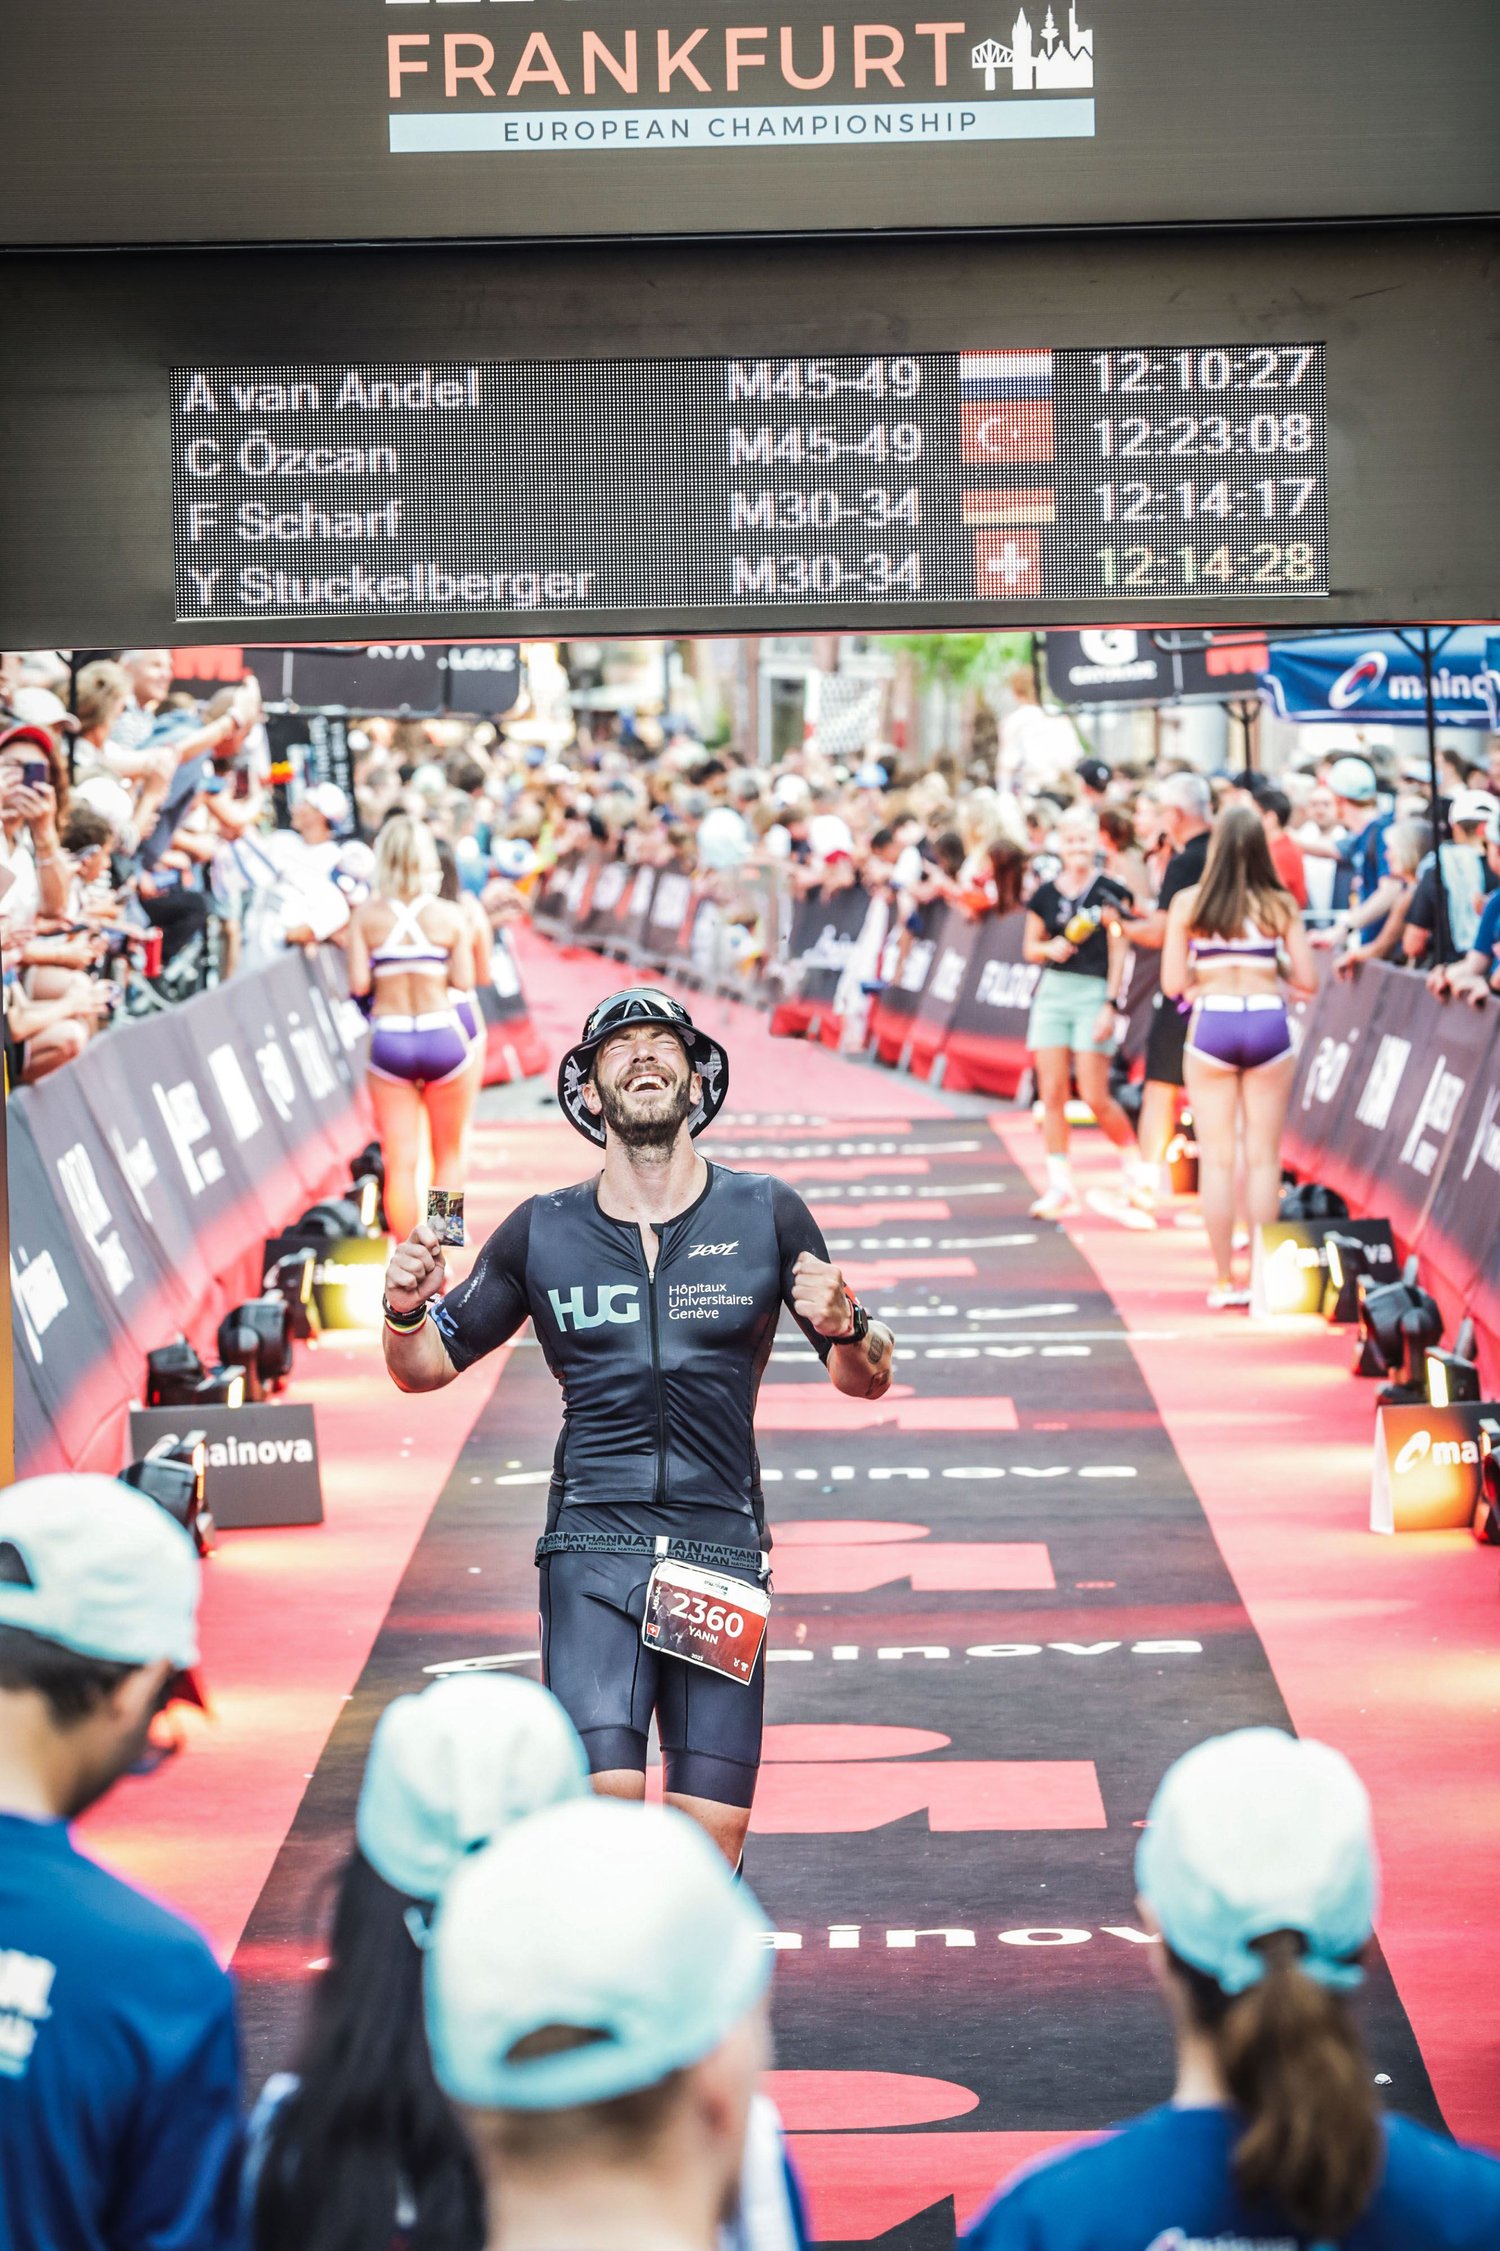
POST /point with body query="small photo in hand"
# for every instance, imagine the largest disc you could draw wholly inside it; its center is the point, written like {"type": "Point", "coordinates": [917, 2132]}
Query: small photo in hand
{"type": "Point", "coordinates": [445, 1216]}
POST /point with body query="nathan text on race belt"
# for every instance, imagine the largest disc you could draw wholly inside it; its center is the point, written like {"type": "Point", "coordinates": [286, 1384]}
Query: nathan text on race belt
{"type": "Point", "coordinates": [706, 1619]}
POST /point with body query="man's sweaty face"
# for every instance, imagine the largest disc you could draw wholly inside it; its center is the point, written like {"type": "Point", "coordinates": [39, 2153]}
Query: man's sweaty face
{"type": "Point", "coordinates": [644, 1081]}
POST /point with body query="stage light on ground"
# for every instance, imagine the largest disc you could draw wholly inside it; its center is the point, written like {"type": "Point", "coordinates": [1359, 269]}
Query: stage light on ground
{"type": "Point", "coordinates": [332, 1217]}
{"type": "Point", "coordinates": [1348, 1265]}
{"type": "Point", "coordinates": [292, 1278]}
{"type": "Point", "coordinates": [173, 1374]}
{"type": "Point", "coordinates": [1398, 1322]}
{"type": "Point", "coordinates": [174, 1479]}
{"type": "Point", "coordinates": [1311, 1200]}
{"type": "Point", "coordinates": [239, 1347]}
{"type": "Point", "coordinates": [1398, 1325]}
{"type": "Point", "coordinates": [258, 1335]}
{"type": "Point", "coordinates": [1453, 1377]}
{"type": "Point", "coordinates": [176, 1377]}
{"type": "Point", "coordinates": [367, 1184]}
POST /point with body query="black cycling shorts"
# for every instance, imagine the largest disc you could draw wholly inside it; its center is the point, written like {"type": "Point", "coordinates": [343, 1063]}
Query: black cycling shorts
{"type": "Point", "coordinates": [609, 1683]}
{"type": "Point", "coordinates": [1165, 1042]}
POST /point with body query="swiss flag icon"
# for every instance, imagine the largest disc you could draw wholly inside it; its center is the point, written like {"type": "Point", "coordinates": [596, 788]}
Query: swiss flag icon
{"type": "Point", "coordinates": [1008, 431]}
{"type": "Point", "coordinates": [1007, 565]}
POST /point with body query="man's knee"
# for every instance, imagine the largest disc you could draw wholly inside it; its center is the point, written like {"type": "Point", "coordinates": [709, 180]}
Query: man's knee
{"type": "Point", "coordinates": [619, 1782]}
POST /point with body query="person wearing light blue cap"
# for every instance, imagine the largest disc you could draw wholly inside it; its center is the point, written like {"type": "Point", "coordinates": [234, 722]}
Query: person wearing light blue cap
{"type": "Point", "coordinates": [358, 2147]}
{"type": "Point", "coordinates": [120, 2120]}
{"type": "Point", "coordinates": [1257, 1872]}
{"type": "Point", "coordinates": [604, 2037]}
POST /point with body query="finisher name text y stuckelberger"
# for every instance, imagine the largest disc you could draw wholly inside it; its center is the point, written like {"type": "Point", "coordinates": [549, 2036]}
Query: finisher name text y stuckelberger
{"type": "Point", "coordinates": [419, 587]}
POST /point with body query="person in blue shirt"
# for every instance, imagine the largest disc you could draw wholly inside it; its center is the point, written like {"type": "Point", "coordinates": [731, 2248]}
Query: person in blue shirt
{"type": "Point", "coordinates": [1257, 1872]}
{"type": "Point", "coordinates": [120, 2121]}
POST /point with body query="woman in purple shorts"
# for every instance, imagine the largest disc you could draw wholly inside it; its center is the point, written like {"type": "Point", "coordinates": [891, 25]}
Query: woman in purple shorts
{"type": "Point", "coordinates": [1225, 941]}
{"type": "Point", "coordinates": [406, 948]}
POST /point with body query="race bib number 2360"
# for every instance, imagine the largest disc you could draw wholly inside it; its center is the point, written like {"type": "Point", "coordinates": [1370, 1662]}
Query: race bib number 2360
{"type": "Point", "coordinates": [706, 1619]}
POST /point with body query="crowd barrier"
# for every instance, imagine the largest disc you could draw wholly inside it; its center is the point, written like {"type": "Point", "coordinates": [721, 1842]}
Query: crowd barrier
{"type": "Point", "coordinates": [953, 995]}
{"type": "Point", "coordinates": [145, 1177]}
{"type": "Point", "coordinates": [1397, 1105]}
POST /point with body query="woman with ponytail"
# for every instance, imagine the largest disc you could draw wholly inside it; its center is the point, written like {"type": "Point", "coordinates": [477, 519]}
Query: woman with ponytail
{"type": "Point", "coordinates": [1256, 1871]}
{"type": "Point", "coordinates": [359, 2149]}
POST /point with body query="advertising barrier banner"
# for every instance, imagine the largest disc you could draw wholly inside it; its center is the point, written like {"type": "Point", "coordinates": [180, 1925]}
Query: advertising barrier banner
{"type": "Point", "coordinates": [986, 1044]}
{"type": "Point", "coordinates": [143, 1178]}
{"type": "Point", "coordinates": [1397, 1105]}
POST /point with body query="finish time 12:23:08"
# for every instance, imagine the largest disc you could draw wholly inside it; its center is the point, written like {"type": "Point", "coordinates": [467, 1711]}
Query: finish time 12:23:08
{"type": "Point", "coordinates": [1199, 471]}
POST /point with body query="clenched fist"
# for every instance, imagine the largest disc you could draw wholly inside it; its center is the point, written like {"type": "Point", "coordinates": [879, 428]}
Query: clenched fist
{"type": "Point", "coordinates": [819, 1296]}
{"type": "Point", "coordinates": [416, 1271]}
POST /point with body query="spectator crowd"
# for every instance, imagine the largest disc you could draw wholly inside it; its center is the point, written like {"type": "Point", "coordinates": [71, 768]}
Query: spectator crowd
{"type": "Point", "coordinates": [150, 845]}
{"type": "Point", "coordinates": [149, 848]}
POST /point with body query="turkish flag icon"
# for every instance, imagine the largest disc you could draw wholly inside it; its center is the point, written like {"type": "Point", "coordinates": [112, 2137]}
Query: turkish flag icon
{"type": "Point", "coordinates": [1007, 565]}
{"type": "Point", "coordinates": [1011, 432]}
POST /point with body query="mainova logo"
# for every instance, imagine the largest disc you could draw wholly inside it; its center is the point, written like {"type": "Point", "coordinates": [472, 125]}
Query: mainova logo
{"type": "Point", "coordinates": [1449, 1453]}
{"type": "Point", "coordinates": [1361, 678]}
{"type": "Point", "coordinates": [513, 81]}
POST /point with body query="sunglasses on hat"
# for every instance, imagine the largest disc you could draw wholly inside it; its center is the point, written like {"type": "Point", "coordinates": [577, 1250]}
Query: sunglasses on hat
{"type": "Point", "coordinates": [639, 1004]}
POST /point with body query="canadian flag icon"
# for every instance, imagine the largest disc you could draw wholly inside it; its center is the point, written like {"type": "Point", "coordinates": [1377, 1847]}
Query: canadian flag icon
{"type": "Point", "coordinates": [1007, 565]}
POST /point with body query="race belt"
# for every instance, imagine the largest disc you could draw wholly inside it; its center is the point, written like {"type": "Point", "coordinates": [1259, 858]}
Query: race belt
{"type": "Point", "coordinates": [708, 1555]}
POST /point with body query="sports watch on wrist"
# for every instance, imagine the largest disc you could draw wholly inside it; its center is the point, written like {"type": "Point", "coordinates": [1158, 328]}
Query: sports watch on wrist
{"type": "Point", "coordinates": [860, 1324]}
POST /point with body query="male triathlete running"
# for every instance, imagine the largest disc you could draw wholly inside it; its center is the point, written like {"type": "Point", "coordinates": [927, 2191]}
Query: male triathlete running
{"type": "Point", "coordinates": [655, 1289]}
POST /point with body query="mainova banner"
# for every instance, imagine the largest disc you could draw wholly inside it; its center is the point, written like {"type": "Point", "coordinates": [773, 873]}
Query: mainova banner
{"type": "Point", "coordinates": [1380, 676]}
{"type": "Point", "coordinates": [374, 120]}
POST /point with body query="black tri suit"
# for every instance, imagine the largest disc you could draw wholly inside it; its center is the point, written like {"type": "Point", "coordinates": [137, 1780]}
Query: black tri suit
{"type": "Point", "coordinates": [659, 1374]}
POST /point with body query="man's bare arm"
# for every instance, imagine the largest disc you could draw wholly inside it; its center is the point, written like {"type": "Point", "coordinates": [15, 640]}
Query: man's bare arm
{"type": "Point", "coordinates": [416, 1274]}
{"type": "Point", "coordinates": [862, 1368]}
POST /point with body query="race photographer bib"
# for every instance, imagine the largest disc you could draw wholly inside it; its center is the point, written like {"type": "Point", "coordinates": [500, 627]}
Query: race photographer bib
{"type": "Point", "coordinates": [706, 1619]}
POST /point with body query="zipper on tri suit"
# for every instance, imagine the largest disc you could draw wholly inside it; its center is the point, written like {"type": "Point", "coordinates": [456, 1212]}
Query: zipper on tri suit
{"type": "Point", "coordinates": [659, 1498]}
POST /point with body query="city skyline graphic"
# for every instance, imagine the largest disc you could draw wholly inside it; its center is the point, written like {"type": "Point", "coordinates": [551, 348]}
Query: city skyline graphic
{"type": "Point", "coordinates": [1039, 61]}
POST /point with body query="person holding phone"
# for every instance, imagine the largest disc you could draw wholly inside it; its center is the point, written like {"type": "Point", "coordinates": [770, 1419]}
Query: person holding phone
{"type": "Point", "coordinates": [30, 850]}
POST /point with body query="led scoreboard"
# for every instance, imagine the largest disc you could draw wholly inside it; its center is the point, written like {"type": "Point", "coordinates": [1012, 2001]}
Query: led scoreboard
{"type": "Point", "coordinates": [653, 489]}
